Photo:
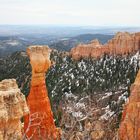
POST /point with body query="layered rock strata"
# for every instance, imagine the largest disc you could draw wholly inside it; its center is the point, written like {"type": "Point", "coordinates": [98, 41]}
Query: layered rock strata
{"type": "Point", "coordinates": [39, 124]}
{"type": "Point", "coordinates": [121, 44]}
{"type": "Point", "coordinates": [12, 107]}
{"type": "Point", "coordinates": [130, 125]}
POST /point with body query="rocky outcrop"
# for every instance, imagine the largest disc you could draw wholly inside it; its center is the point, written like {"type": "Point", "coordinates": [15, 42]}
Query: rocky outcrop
{"type": "Point", "coordinates": [129, 128]}
{"type": "Point", "coordinates": [12, 107]}
{"type": "Point", "coordinates": [87, 50]}
{"type": "Point", "coordinates": [121, 44]}
{"type": "Point", "coordinates": [39, 124]}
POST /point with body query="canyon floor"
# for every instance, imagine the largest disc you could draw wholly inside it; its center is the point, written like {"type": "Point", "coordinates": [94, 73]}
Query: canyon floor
{"type": "Point", "coordinates": [87, 96]}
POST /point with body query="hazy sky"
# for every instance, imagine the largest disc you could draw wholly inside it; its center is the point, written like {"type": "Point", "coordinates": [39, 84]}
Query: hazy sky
{"type": "Point", "coordinates": [71, 12]}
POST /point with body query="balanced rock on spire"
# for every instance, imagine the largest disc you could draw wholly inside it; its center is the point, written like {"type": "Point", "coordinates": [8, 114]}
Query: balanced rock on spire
{"type": "Point", "coordinates": [39, 124]}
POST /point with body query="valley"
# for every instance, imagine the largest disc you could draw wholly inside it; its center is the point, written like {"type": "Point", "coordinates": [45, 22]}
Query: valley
{"type": "Point", "coordinates": [87, 94]}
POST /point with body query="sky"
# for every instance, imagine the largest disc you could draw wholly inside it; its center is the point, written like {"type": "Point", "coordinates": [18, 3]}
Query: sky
{"type": "Point", "coordinates": [71, 12]}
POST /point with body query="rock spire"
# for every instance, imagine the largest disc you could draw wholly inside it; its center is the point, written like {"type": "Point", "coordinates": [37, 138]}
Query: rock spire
{"type": "Point", "coordinates": [39, 124]}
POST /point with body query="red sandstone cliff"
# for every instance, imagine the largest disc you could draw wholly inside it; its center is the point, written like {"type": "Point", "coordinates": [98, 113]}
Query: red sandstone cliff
{"type": "Point", "coordinates": [130, 125]}
{"type": "Point", "coordinates": [122, 43]}
{"type": "Point", "coordinates": [39, 124]}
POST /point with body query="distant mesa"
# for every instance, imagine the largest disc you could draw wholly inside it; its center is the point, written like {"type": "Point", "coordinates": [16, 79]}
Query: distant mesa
{"type": "Point", "coordinates": [122, 43]}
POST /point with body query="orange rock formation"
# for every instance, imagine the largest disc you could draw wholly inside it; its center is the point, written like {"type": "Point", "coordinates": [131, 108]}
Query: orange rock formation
{"type": "Point", "coordinates": [122, 43]}
{"type": "Point", "coordinates": [12, 107]}
{"type": "Point", "coordinates": [130, 125]}
{"type": "Point", "coordinates": [39, 124]}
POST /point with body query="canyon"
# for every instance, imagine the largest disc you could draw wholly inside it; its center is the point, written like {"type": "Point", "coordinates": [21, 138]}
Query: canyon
{"type": "Point", "coordinates": [122, 43]}
{"type": "Point", "coordinates": [112, 76]}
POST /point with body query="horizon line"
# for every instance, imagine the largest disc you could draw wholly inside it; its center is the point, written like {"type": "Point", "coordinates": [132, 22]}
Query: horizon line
{"type": "Point", "coordinates": [72, 25]}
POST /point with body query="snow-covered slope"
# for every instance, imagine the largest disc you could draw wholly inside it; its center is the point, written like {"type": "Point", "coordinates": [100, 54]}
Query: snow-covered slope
{"type": "Point", "coordinates": [81, 92]}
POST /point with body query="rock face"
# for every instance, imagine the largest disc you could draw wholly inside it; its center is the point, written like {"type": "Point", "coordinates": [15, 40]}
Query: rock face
{"type": "Point", "coordinates": [122, 43]}
{"type": "Point", "coordinates": [130, 125]}
{"type": "Point", "coordinates": [39, 124]}
{"type": "Point", "coordinates": [12, 107]}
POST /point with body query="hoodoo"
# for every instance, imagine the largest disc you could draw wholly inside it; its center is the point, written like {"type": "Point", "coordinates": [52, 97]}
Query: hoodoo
{"type": "Point", "coordinates": [130, 125]}
{"type": "Point", "coordinates": [39, 124]}
{"type": "Point", "coordinates": [12, 107]}
{"type": "Point", "coordinates": [121, 44]}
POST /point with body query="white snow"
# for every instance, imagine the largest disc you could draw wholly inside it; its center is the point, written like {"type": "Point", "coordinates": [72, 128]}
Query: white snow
{"type": "Point", "coordinates": [107, 115]}
{"type": "Point", "coordinates": [77, 114]}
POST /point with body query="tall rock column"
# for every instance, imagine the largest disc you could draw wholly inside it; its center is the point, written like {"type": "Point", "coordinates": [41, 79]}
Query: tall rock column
{"type": "Point", "coordinates": [130, 125]}
{"type": "Point", "coordinates": [12, 107]}
{"type": "Point", "coordinates": [39, 124]}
